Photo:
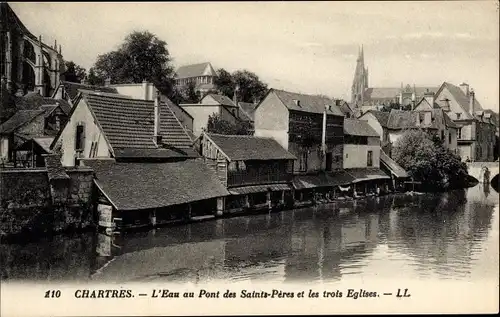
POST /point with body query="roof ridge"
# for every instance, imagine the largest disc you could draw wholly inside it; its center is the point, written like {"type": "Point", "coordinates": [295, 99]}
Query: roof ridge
{"type": "Point", "coordinates": [238, 135]}
{"type": "Point", "coordinates": [112, 95]}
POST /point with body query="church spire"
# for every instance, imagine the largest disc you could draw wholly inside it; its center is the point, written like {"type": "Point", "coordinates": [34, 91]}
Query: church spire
{"type": "Point", "coordinates": [360, 80]}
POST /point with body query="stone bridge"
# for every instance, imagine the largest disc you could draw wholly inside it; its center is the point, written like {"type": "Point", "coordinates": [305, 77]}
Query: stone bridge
{"type": "Point", "coordinates": [477, 169]}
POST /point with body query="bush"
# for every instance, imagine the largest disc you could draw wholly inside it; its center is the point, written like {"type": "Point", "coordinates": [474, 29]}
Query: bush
{"type": "Point", "coordinates": [220, 126]}
{"type": "Point", "coordinates": [428, 161]}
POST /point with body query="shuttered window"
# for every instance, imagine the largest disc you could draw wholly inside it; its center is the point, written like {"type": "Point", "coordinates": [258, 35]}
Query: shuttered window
{"type": "Point", "coordinates": [80, 137]}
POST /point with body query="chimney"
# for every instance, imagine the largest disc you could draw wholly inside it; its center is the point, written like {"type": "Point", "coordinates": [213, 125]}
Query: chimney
{"type": "Point", "coordinates": [235, 95]}
{"type": "Point", "coordinates": [429, 97]}
{"type": "Point", "coordinates": [157, 137]}
{"type": "Point", "coordinates": [323, 132]}
{"type": "Point", "coordinates": [465, 89]}
{"type": "Point", "coordinates": [472, 102]}
{"type": "Point", "coordinates": [145, 89]}
{"type": "Point", "coordinates": [107, 82]}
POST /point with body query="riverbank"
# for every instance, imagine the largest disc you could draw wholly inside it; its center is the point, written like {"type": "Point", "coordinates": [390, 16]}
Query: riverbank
{"type": "Point", "coordinates": [36, 231]}
{"type": "Point", "coordinates": [421, 236]}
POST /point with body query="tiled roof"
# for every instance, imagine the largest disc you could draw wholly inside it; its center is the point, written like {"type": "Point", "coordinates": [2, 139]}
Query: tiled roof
{"type": "Point", "coordinates": [55, 170]}
{"type": "Point", "coordinates": [449, 123]}
{"type": "Point", "coordinates": [346, 108]}
{"type": "Point", "coordinates": [129, 123]}
{"type": "Point", "coordinates": [194, 70]}
{"type": "Point", "coordinates": [44, 142]}
{"type": "Point", "coordinates": [322, 180]}
{"type": "Point", "coordinates": [307, 103]}
{"type": "Point", "coordinates": [381, 116]}
{"type": "Point", "coordinates": [72, 88]}
{"type": "Point", "coordinates": [462, 99]}
{"type": "Point", "coordinates": [223, 100]}
{"type": "Point", "coordinates": [130, 153]}
{"type": "Point", "coordinates": [385, 93]}
{"type": "Point", "coordinates": [19, 119]}
{"type": "Point", "coordinates": [401, 119]}
{"type": "Point", "coordinates": [33, 101]}
{"type": "Point", "coordinates": [359, 128]}
{"type": "Point", "coordinates": [134, 186]}
{"type": "Point", "coordinates": [247, 147]}
{"type": "Point", "coordinates": [248, 109]}
{"type": "Point", "coordinates": [258, 188]}
{"type": "Point", "coordinates": [394, 167]}
{"type": "Point", "coordinates": [364, 174]}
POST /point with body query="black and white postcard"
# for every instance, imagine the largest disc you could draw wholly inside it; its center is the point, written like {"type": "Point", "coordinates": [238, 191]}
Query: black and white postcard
{"type": "Point", "coordinates": [244, 158]}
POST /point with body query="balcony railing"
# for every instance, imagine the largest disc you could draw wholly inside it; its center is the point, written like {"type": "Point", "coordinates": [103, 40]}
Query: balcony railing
{"type": "Point", "coordinates": [256, 178]}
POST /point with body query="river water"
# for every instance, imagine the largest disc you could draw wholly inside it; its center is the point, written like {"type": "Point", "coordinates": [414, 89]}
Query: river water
{"type": "Point", "coordinates": [428, 236]}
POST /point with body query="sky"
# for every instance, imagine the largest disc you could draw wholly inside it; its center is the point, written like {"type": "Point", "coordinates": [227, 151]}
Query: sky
{"type": "Point", "coordinates": [307, 47]}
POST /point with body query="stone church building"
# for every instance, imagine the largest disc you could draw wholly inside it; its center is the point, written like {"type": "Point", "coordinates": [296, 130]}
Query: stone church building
{"type": "Point", "coordinates": [26, 63]}
{"type": "Point", "coordinates": [366, 98]}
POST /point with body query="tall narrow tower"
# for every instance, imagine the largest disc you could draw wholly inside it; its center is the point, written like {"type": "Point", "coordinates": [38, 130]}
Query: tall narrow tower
{"type": "Point", "coordinates": [360, 81]}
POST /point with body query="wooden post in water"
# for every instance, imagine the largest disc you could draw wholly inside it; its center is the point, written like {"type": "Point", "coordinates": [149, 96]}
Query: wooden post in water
{"type": "Point", "coordinates": [247, 201]}
{"type": "Point", "coordinates": [152, 217]}
{"type": "Point", "coordinates": [189, 217]}
{"type": "Point", "coordinates": [268, 199]}
{"type": "Point", "coordinates": [220, 207]}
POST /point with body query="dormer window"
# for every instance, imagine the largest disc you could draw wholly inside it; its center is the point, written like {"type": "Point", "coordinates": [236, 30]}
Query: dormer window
{"type": "Point", "coordinates": [458, 115]}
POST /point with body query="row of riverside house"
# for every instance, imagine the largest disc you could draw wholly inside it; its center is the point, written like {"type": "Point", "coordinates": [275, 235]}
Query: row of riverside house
{"type": "Point", "coordinates": [151, 169]}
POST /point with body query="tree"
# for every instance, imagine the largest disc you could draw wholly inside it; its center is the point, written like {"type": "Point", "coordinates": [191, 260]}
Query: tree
{"type": "Point", "coordinates": [428, 161]}
{"type": "Point", "coordinates": [220, 126]}
{"type": "Point", "coordinates": [248, 86]}
{"type": "Point", "coordinates": [225, 83]}
{"type": "Point", "coordinates": [189, 93]}
{"type": "Point", "coordinates": [74, 72]}
{"type": "Point", "coordinates": [93, 79]}
{"type": "Point", "coordinates": [142, 56]}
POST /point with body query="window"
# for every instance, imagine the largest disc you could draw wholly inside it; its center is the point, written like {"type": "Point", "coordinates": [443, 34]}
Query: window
{"type": "Point", "coordinates": [303, 161]}
{"type": "Point", "coordinates": [442, 135]}
{"type": "Point", "coordinates": [459, 133]}
{"type": "Point", "coordinates": [458, 115]}
{"type": "Point", "coordinates": [370, 158]}
{"type": "Point", "coordinates": [80, 138]}
{"type": "Point", "coordinates": [449, 137]}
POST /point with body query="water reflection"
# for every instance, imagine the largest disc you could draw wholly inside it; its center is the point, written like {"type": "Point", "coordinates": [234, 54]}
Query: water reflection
{"type": "Point", "coordinates": [438, 235]}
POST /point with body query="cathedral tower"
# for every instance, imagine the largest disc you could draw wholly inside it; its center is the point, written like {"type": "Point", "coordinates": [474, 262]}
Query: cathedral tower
{"type": "Point", "coordinates": [360, 81]}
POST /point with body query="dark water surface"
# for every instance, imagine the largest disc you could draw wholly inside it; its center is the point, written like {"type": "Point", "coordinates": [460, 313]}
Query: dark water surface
{"type": "Point", "coordinates": [430, 236]}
